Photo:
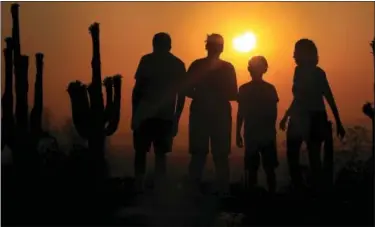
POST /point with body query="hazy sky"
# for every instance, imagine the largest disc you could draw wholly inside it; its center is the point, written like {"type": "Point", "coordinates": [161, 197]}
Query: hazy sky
{"type": "Point", "coordinates": [341, 30]}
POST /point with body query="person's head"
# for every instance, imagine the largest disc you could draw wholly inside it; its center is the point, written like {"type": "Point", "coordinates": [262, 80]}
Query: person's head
{"type": "Point", "coordinates": [306, 53]}
{"type": "Point", "coordinates": [257, 66]}
{"type": "Point", "coordinates": [162, 42]}
{"type": "Point", "coordinates": [214, 44]}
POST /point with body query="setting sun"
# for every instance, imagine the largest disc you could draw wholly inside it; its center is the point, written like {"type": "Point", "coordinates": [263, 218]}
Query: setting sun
{"type": "Point", "coordinates": [244, 43]}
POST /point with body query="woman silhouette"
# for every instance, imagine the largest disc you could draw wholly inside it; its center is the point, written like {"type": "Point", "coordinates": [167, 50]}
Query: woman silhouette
{"type": "Point", "coordinates": [307, 115]}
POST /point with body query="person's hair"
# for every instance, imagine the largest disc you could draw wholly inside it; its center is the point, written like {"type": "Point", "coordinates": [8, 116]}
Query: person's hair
{"type": "Point", "coordinates": [215, 43]}
{"type": "Point", "coordinates": [306, 53]}
{"type": "Point", "coordinates": [162, 42]}
{"type": "Point", "coordinates": [257, 65]}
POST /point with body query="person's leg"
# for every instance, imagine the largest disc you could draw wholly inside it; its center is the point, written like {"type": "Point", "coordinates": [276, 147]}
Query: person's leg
{"type": "Point", "coordinates": [252, 159]}
{"type": "Point", "coordinates": [163, 142]}
{"type": "Point", "coordinates": [220, 132]}
{"type": "Point", "coordinates": [142, 144]}
{"type": "Point", "coordinates": [271, 180]}
{"type": "Point", "coordinates": [198, 148]}
{"type": "Point", "coordinates": [318, 131]}
{"type": "Point", "coordinates": [328, 167]}
{"type": "Point", "coordinates": [270, 163]}
{"type": "Point", "coordinates": [314, 150]}
{"type": "Point", "coordinates": [294, 143]}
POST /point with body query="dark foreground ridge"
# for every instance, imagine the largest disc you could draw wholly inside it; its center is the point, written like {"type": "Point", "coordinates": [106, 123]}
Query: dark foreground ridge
{"type": "Point", "coordinates": [74, 200]}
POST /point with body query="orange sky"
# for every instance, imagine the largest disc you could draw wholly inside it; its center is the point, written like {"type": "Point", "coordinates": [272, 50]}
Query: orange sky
{"type": "Point", "coordinates": [341, 30]}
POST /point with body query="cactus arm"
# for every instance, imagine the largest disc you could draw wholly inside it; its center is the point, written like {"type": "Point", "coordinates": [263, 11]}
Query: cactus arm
{"type": "Point", "coordinates": [108, 84]}
{"type": "Point", "coordinates": [80, 108]}
{"type": "Point", "coordinates": [22, 87]}
{"type": "Point", "coordinates": [113, 122]}
{"type": "Point", "coordinates": [37, 111]}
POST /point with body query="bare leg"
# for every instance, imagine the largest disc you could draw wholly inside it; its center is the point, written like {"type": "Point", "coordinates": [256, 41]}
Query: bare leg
{"type": "Point", "coordinates": [294, 144]}
{"type": "Point", "coordinates": [271, 180]}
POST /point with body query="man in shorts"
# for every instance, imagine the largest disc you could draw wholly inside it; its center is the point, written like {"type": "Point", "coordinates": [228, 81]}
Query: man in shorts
{"type": "Point", "coordinates": [212, 84]}
{"type": "Point", "coordinates": [157, 103]}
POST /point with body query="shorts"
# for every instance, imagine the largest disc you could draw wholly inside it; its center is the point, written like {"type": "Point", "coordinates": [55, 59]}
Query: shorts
{"type": "Point", "coordinates": [210, 129]}
{"type": "Point", "coordinates": [156, 132]}
{"type": "Point", "coordinates": [256, 151]}
{"type": "Point", "coordinates": [316, 129]}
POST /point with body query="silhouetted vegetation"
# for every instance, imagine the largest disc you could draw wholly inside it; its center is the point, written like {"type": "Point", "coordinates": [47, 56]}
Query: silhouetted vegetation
{"type": "Point", "coordinates": [21, 131]}
{"type": "Point", "coordinates": [92, 120]}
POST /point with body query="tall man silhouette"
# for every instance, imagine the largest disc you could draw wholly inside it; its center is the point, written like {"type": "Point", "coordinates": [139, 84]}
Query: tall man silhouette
{"type": "Point", "coordinates": [212, 84]}
{"type": "Point", "coordinates": [157, 106]}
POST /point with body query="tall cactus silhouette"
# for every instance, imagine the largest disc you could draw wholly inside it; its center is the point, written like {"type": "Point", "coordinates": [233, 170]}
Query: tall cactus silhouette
{"type": "Point", "coordinates": [92, 120]}
{"type": "Point", "coordinates": [372, 44]}
{"type": "Point", "coordinates": [367, 109]}
{"type": "Point", "coordinates": [19, 131]}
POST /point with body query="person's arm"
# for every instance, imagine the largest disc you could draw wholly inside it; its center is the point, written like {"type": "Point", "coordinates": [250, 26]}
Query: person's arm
{"type": "Point", "coordinates": [289, 110]}
{"type": "Point", "coordinates": [137, 94]}
{"type": "Point", "coordinates": [239, 114]}
{"type": "Point", "coordinates": [286, 116]}
{"type": "Point", "coordinates": [181, 94]}
{"type": "Point", "coordinates": [232, 84]}
{"type": "Point", "coordinates": [275, 101]}
{"type": "Point", "coordinates": [327, 93]}
{"type": "Point", "coordinates": [190, 77]}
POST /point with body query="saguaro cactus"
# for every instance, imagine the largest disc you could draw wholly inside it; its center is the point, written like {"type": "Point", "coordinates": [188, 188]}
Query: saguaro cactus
{"type": "Point", "coordinates": [7, 121]}
{"type": "Point", "coordinates": [372, 44]}
{"type": "Point", "coordinates": [92, 120]}
{"type": "Point", "coordinates": [367, 109]}
{"type": "Point", "coordinates": [20, 135]}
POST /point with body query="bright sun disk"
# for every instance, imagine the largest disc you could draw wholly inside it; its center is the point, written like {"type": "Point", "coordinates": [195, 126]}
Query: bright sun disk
{"type": "Point", "coordinates": [244, 43]}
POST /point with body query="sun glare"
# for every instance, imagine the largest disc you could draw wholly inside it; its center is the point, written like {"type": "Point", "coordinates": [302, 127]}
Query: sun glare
{"type": "Point", "coordinates": [244, 43]}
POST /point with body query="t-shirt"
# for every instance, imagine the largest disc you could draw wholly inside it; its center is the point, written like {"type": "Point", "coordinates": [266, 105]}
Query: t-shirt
{"type": "Point", "coordinates": [212, 82]}
{"type": "Point", "coordinates": [309, 86]}
{"type": "Point", "coordinates": [258, 106]}
{"type": "Point", "coordinates": [159, 78]}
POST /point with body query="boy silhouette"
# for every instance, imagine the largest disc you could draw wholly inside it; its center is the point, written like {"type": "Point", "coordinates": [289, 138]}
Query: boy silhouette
{"type": "Point", "coordinates": [257, 110]}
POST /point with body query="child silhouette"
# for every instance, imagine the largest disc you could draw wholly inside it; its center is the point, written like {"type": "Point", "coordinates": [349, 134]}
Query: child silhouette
{"type": "Point", "coordinates": [257, 109]}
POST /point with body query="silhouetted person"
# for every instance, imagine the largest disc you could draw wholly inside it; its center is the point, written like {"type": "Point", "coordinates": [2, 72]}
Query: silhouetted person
{"type": "Point", "coordinates": [157, 106]}
{"type": "Point", "coordinates": [257, 109]}
{"type": "Point", "coordinates": [307, 115]}
{"type": "Point", "coordinates": [212, 85]}
{"type": "Point", "coordinates": [368, 110]}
